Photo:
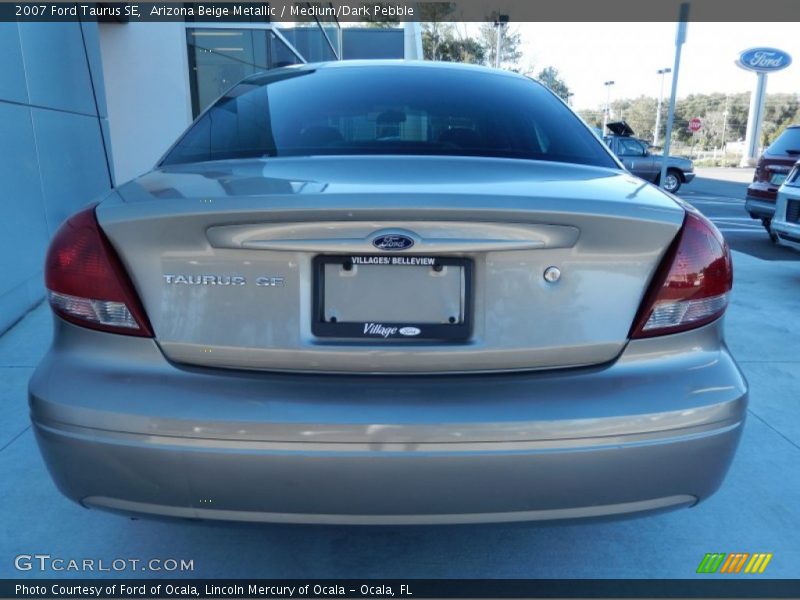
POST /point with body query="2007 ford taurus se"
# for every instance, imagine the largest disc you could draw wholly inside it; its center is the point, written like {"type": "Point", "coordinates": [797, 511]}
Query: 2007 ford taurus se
{"type": "Point", "coordinates": [388, 293]}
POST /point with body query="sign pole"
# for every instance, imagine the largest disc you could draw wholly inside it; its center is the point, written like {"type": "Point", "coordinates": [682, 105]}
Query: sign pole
{"type": "Point", "coordinates": [680, 38]}
{"type": "Point", "coordinates": [754, 118]}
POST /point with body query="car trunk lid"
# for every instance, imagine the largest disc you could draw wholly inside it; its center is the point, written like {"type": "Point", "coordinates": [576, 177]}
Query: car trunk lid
{"type": "Point", "coordinates": [244, 264]}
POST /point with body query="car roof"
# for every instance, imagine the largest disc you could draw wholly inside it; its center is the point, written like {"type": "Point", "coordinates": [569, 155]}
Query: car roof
{"type": "Point", "coordinates": [266, 76]}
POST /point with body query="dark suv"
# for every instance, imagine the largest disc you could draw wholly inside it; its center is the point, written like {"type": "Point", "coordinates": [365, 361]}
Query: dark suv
{"type": "Point", "coordinates": [771, 171]}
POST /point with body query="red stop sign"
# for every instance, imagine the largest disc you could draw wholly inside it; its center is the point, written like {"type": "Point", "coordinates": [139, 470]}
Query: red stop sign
{"type": "Point", "coordinates": [695, 125]}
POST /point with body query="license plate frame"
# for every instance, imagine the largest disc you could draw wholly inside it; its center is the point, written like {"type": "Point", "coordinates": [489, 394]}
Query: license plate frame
{"type": "Point", "coordinates": [406, 331]}
{"type": "Point", "coordinates": [778, 178]}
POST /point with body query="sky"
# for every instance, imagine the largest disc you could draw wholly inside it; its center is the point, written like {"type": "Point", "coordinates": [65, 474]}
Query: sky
{"type": "Point", "coordinates": [588, 54]}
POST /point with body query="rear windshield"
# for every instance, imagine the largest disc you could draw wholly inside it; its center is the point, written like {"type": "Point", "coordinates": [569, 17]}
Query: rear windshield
{"type": "Point", "coordinates": [787, 143]}
{"type": "Point", "coordinates": [389, 110]}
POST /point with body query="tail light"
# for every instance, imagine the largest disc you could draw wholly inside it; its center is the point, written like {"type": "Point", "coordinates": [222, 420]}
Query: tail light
{"type": "Point", "coordinates": [760, 174]}
{"type": "Point", "coordinates": [87, 284]}
{"type": "Point", "coordinates": [692, 284]}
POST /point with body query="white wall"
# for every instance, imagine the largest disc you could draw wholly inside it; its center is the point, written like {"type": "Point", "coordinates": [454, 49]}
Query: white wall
{"type": "Point", "coordinates": [146, 73]}
{"type": "Point", "coordinates": [51, 147]}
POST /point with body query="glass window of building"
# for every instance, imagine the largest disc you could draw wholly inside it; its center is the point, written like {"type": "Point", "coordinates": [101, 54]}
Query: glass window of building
{"type": "Point", "coordinates": [221, 57]}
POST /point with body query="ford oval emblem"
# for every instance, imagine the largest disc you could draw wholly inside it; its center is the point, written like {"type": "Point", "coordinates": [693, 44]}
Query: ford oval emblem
{"type": "Point", "coordinates": [392, 242]}
{"type": "Point", "coordinates": [764, 60]}
{"type": "Point", "coordinates": [410, 331]}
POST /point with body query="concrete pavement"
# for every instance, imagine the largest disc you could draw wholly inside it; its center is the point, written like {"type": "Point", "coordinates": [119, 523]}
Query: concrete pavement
{"type": "Point", "coordinates": [724, 175]}
{"type": "Point", "coordinates": [755, 511]}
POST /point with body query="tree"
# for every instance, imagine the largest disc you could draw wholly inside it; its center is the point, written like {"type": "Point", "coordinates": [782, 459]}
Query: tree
{"type": "Point", "coordinates": [550, 77]}
{"type": "Point", "coordinates": [639, 113]}
{"type": "Point", "coordinates": [792, 118]}
{"type": "Point", "coordinates": [433, 35]}
{"type": "Point", "coordinates": [593, 118]}
{"type": "Point", "coordinates": [435, 27]}
{"type": "Point", "coordinates": [510, 52]}
{"type": "Point", "coordinates": [442, 42]}
{"type": "Point", "coordinates": [780, 110]}
{"type": "Point", "coordinates": [466, 50]}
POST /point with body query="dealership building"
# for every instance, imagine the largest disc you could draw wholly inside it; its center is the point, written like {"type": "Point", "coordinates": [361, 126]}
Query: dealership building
{"type": "Point", "coordinates": [84, 106]}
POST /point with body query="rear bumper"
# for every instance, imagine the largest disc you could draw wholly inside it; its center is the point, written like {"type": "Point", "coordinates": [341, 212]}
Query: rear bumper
{"type": "Point", "coordinates": [760, 200]}
{"type": "Point", "coordinates": [127, 431]}
{"type": "Point", "coordinates": [759, 209]}
{"type": "Point", "coordinates": [329, 484]}
{"type": "Point", "coordinates": [788, 233]}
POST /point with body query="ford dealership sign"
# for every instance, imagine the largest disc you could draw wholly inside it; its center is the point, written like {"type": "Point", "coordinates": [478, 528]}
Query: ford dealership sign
{"type": "Point", "coordinates": [764, 60]}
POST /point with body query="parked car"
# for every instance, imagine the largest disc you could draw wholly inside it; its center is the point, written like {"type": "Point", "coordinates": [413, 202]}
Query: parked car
{"type": "Point", "coordinates": [635, 154]}
{"type": "Point", "coordinates": [771, 171]}
{"type": "Point", "coordinates": [388, 292]}
{"type": "Point", "coordinates": [785, 225]}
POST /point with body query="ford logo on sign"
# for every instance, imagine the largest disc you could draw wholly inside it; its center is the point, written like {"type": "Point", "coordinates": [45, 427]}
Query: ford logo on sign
{"type": "Point", "coordinates": [393, 241]}
{"type": "Point", "coordinates": [764, 60]}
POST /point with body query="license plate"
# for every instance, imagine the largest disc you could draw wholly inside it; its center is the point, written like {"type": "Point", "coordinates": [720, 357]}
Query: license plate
{"type": "Point", "coordinates": [778, 178]}
{"type": "Point", "coordinates": [392, 297]}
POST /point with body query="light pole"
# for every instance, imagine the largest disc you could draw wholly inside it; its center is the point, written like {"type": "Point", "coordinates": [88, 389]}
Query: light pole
{"type": "Point", "coordinates": [608, 85]}
{"type": "Point", "coordinates": [661, 72]}
{"type": "Point", "coordinates": [680, 39]}
{"type": "Point", "coordinates": [499, 25]}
